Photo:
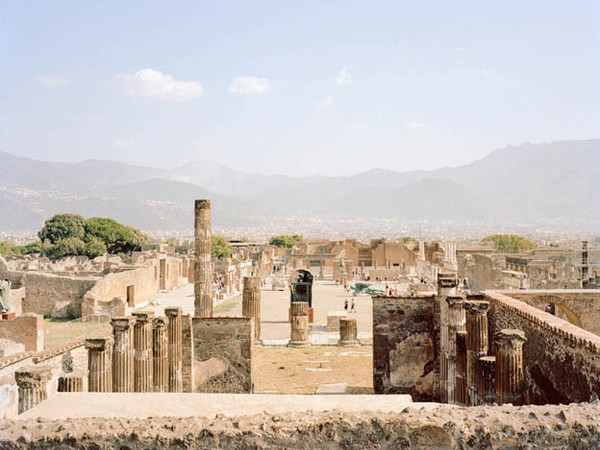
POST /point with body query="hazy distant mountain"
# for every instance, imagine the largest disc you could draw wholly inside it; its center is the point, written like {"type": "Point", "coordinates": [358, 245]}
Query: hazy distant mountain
{"type": "Point", "coordinates": [528, 183]}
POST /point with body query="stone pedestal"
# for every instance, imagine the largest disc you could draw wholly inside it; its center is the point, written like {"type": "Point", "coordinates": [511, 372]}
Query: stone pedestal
{"type": "Point", "coordinates": [142, 359]}
{"type": "Point", "coordinates": [70, 383]}
{"type": "Point", "coordinates": [485, 380]}
{"type": "Point", "coordinates": [299, 336]}
{"type": "Point", "coordinates": [203, 306]}
{"type": "Point", "coordinates": [477, 343]}
{"type": "Point", "coordinates": [348, 332]}
{"type": "Point", "coordinates": [456, 322]}
{"type": "Point", "coordinates": [509, 366]}
{"type": "Point", "coordinates": [160, 354]}
{"type": "Point", "coordinates": [33, 386]}
{"type": "Point", "coordinates": [251, 302]}
{"type": "Point", "coordinates": [99, 364]}
{"type": "Point", "coordinates": [175, 349]}
{"type": "Point", "coordinates": [123, 353]}
{"type": "Point", "coordinates": [461, 368]}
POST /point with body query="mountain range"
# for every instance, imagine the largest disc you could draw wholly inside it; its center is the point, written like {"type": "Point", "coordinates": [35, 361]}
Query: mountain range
{"type": "Point", "coordinates": [523, 184]}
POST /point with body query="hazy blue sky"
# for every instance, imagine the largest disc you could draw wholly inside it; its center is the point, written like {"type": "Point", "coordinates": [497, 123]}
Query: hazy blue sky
{"type": "Point", "coordinates": [331, 87]}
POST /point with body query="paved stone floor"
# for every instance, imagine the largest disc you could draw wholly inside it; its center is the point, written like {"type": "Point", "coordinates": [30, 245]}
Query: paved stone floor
{"type": "Point", "coordinates": [92, 404]}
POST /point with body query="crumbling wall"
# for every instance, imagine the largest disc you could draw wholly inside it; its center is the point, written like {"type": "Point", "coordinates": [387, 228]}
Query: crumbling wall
{"type": "Point", "coordinates": [27, 330]}
{"type": "Point", "coordinates": [69, 358]}
{"type": "Point", "coordinates": [561, 362]}
{"type": "Point", "coordinates": [223, 349]}
{"type": "Point", "coordinates": [53, 295]}
{"type": "Point", "coordinates": [403, 346]}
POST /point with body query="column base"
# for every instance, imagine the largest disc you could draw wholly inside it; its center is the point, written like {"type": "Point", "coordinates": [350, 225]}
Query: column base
{"type": "Point", "coordinates": [299, 343]}
{"type": "Point", "coordinates": [348, 344]}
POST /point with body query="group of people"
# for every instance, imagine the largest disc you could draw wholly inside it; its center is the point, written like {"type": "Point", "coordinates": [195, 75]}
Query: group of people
{"type": "Point", "coordinates": [352, 306]}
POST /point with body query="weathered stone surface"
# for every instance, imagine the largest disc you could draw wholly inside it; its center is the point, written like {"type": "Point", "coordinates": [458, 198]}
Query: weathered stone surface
{"type": "Point", "coordinates": [203, 306]}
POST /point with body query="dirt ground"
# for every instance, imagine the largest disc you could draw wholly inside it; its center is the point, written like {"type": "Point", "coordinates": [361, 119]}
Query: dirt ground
{"type": "Point", "coordinates": [301, 370]}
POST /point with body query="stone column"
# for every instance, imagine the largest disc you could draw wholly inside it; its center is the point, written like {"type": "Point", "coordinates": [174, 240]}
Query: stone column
{"type": "Point", "coordinates": [456, 322]}
{"type": "Point", "coordinates": [299, 325]}
{"type": "Point", "coordinates": [509, 366]}
{"type": "Point", "coordinates": [447, 284]}
{"type": "Point", "coordinates": [160, 354]}
{"type": "Point", "coordinates": [99, 364]}
{"type": "Point", "coordinates": [175, 349]}
{"type": "Point", "coordinates": [33, 384]}
{"type": "Point", "coordinates": [251, 302]}
{"type": "Point", "coordinates": [203, 306]}
{"type": "Point", "coordinates": [187, 354]}
{"type": "Point", "coordinates": [485, 380]}
{"type": "Point", "coordinates": [70, 383]}
{"type": "Point", "coordinates": [477, 343]}
{"type": "Point", "coordinates": [348, 332]}
{"type": "Point", "coordinates": [142, 360]}
{"type": "Point", "coordinates": [123, 354]}
{"type": "Point", "coordinates": [461, 368]}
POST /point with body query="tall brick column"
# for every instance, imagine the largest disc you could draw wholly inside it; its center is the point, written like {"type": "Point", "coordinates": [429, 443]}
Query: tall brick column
{"type": "Point", "coordinates": [299, 336]}
{"type": "Point", "coordinates": [456, 322]}
{"type": "Point", "coordinates": [477, 343]}
{"type": "Point", "coordinates": [100, 364]}
{"type": "Point", "coordinates": [160, 354]}
{"type": "Point", "coordinates": [33, 384]}
{"type": "Point", "coordinates": [175, 349]}
{"type": "Point", "coordinates": [251, 302]}
{"type": "Point", "coordinates": [142, 359]}
{"type": "Point", "coordinates": [348, 332]}
{"type": "Point", "coordinates": [509, 366]}
{"type": "Point", "coordinates": [203, 306]}
{"type": "Point", "coordinates": [485, 380]}
{"type": "Point", "coordinates": [461, 368]}
{"type": "Point", "coordinates": [123, 354]}
{"type": "Point", "coordinates": [447, 284]}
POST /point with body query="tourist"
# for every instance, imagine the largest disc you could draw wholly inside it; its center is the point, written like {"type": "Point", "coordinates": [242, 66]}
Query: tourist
{"type": "Point", "coordinates": [346, 305]}
{"type": "Point", "coordinates": [352, 307]}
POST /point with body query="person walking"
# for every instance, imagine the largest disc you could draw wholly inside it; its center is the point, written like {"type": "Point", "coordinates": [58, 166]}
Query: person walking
{"type": "Point", "coordinates": [346, 305]}
{"type": "Point", "coordinates": [352, 307]}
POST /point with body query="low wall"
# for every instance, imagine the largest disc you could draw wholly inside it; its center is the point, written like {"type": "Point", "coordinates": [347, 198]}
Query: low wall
{"type": "Point", "coordinates": [222, 353]}
{"type": "Point", "coordinates": [27, 330]}
{"type": "Point", "coordinates": [561, 362]}
{"type": "Point", "coordinates": [403, 346]}
{"type": "Point", "coordinates": [66, 359]}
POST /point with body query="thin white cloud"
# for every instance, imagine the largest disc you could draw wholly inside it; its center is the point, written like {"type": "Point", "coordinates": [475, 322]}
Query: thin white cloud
{"type": "Point", "coordinates": [48, 81]}
{"type": "Point", "coordinates": [249, 85]}
{"type": "Point", "coordinates": [325, 102]}
{"type": "Point", "coordinates": [415, 125]}
{"type": "Point", "coordinates": [155, 84]}
{"type": "Point", "coordinates": [125, 143]}
{"type": "Point", "coordinates": [345, 78]}
{"type": "Point", "coordinates": [458, 49]}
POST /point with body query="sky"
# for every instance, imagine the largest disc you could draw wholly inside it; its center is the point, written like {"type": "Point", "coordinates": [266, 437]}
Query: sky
{"type": "Point", "coordinates": [295, 87]}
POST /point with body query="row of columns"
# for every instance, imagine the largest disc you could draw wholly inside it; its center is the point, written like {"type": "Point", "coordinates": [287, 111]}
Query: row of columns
{"type": "Point", "coordinates": [144, 354]}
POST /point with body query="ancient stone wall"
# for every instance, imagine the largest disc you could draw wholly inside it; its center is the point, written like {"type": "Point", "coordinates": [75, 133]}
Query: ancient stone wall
{"type": "Point", "coordinates": [561, 362]}
{"type": "Point", "coordinates": [223, 350]}
{"type": "Point", "coordinates": [17, 296]}
{"type": "Point", "coordinates": [53, 295]}
{"type": "Point", "coordinates": [67, 359]}
{"type": "Point", "coordinates": [27, 330]}
{"type": "Point", "coordinates": [403, 346]}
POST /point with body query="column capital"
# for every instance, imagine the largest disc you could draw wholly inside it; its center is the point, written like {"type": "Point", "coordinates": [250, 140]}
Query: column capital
{"type": "Point", "coordinates": [511, 338]}
{"type": "Point", "coordinates": [122, 323]}
{"type": "Point", "coordinates": [447, 280]}
{"type": "Point", "coordinates": [251, 283]}
{"type": "Point", "coordinates": [143, 316]}
{"type": "Point", "coordinates": [455, 300]}
{"type": "Point", "coordinates": [476, 307]}
{"type": "Point", "coordinates": [98, 344]}
{"type": "Point", "coordinates": [32, 377]}
{"type": "Point", "coordinates": [203, 203]}
{"type": "Point", "coordinates": [173, 311]}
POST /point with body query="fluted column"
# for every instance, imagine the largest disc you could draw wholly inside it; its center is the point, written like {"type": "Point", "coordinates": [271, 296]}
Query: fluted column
{"type": "Point", "coordinates": [348, 332]}
{"type": "Point", "coordinates": [175, 349]}
{"type": "Point", "coordinates": [70, 383]}
{"type": "Point", "coordinates": [123, 354]}
{"type": "Point", "coordinates": [509, 366]}
{"type": "Point", "coordinates": [447, 284]}
{"type": "Point", "coordinates": [485, 380]}
{"type": "Point", "coordinates": [33, 385]}
{"type": "Point", "coordinates": [251, 302]}
{"type": "Point", "coordinates": [142, 359]}
{"type": "Point", "coordinates": [299, 336]}
{"type": "Point", "coordinates": [160, 354]}
{"type": "Point", "coordinates": [100, 364]}
{"type": "Point", "coordinates": [203, 306]}
{"type": "Point", "coordinates": [461, 368]}
{"type": "Point", "coordinates": [456, 322]}
{"type": "Point", "coordinates": [477, 343]}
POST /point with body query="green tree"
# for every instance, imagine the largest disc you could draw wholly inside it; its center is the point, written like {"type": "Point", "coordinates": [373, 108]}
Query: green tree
{"type": "Point", "coordinates": [117, 238]}
{"type": "Point", "coordinates": [66, 247]}
{"type": "Point", "coordinates": [62, 226]}
{"type": "Point", "coordinates": [285, 240]}
{"type": "Point", "coordinates": [94, 247]}
{"type": "Point", "coordinates": [510, 243]}
{"type": "Point", "coordinates": [220, 247]}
